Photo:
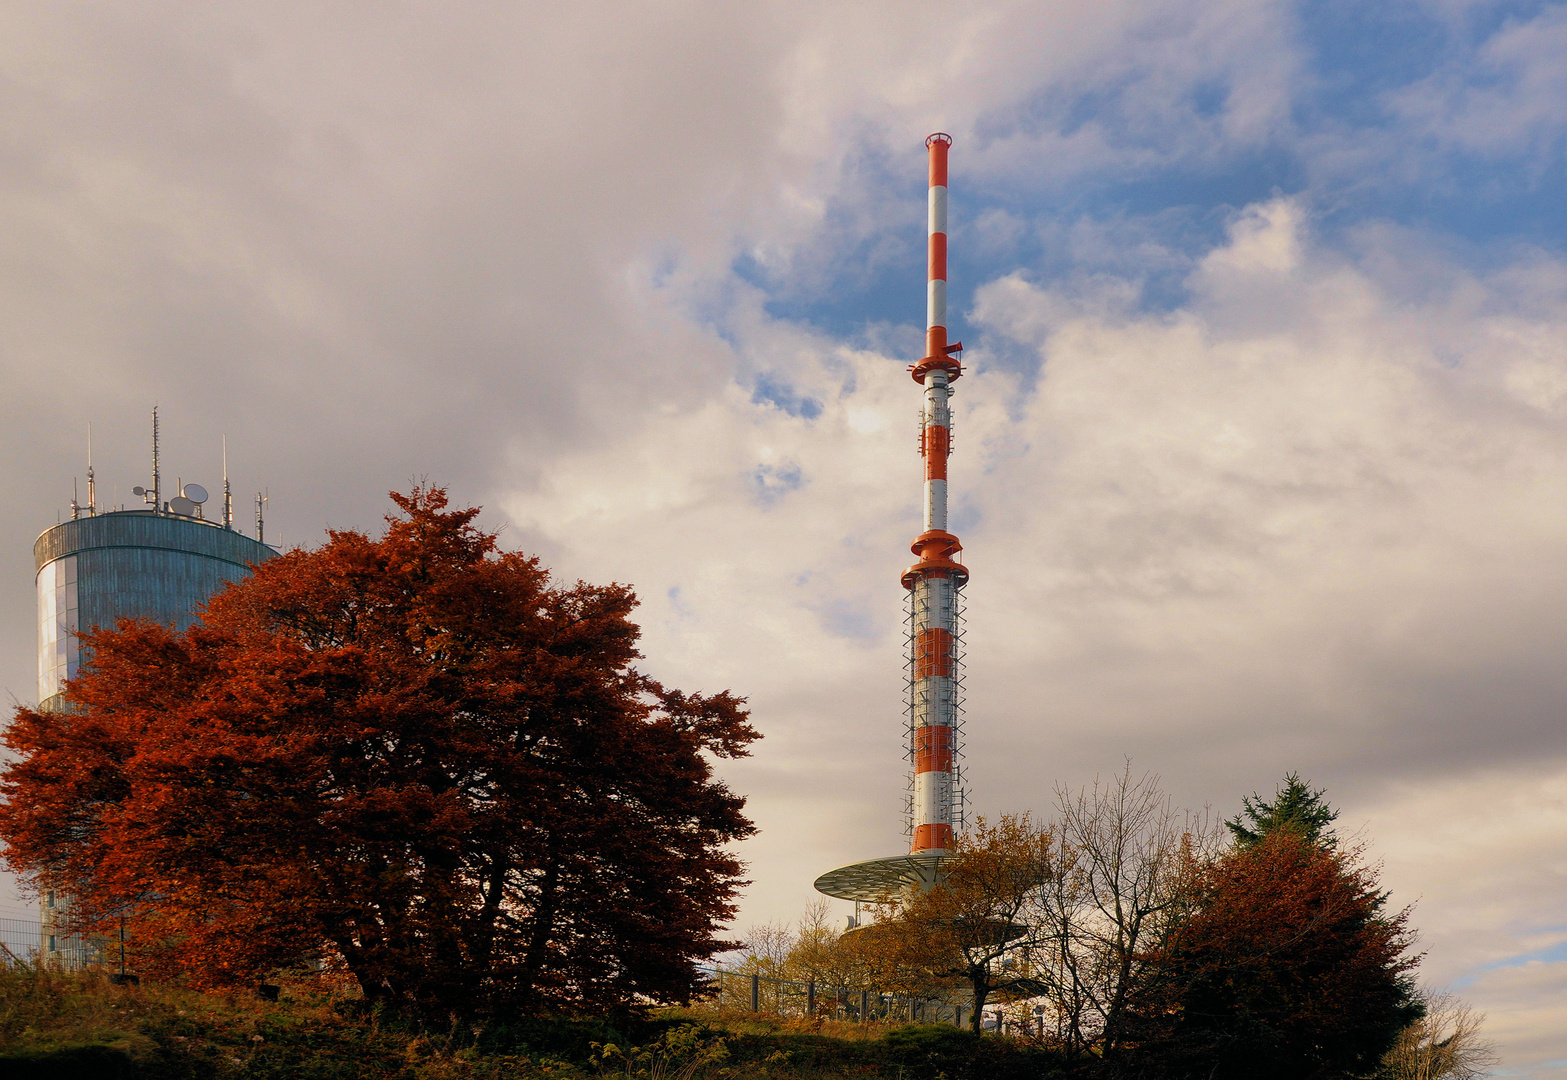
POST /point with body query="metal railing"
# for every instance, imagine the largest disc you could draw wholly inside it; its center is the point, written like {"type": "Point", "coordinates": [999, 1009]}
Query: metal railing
{"type": "Point", "coordinates": [751, 991]}
{"type": "Point", "coordinates": [24, 942]}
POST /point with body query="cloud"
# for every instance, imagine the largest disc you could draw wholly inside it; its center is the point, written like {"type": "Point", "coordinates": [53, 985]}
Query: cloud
{"type": "Point", "coordinates": [1508, 101]}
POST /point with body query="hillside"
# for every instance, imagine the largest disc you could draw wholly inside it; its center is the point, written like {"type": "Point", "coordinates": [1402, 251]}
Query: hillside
{"type": "Point", "coordinates": [60, 1026]}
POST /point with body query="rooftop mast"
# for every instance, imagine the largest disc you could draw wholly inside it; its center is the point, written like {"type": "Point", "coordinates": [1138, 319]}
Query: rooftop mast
{"type": "Point", "coordinates": [157, 506]}
{"type": "Point", "coordinates": [92, 499]}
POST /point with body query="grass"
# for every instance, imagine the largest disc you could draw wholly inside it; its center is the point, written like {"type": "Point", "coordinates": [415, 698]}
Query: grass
{"type": "Point", "coordinates": [63, 1026]}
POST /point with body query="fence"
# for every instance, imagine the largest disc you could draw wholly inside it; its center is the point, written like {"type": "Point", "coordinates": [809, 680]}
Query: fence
{"type": "Point", "coordinates": [750, 991]}
{"type": "Point", "coordinates": [24, 941]}
{"type": "Point", "coordinates": [729, 988]}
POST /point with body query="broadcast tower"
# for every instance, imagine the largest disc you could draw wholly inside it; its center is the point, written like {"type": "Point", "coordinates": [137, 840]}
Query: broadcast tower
{"type": "Point", "coordinates": [934, 584]}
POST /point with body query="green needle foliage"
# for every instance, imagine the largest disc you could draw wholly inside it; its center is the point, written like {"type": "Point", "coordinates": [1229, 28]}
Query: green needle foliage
{"type": "Point", "coordinates": [1295, 807]}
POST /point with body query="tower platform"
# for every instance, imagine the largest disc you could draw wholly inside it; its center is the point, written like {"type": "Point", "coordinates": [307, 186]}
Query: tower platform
{"type": "Point", "coordinates": [882, 879]}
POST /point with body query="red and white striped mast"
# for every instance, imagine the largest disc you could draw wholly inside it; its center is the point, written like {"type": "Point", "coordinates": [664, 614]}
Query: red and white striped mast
{"type": "Point", "coordinates": [934, 584]}
{"type": "Point", "coordinates": [934, 581]}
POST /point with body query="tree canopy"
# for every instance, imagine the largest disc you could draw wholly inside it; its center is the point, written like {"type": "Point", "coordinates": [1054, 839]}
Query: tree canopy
{"type": "Point", "coordinates": [1288, 965]}
{"type": "Point", "coordinates": [970, 926]}
{"type": "Point", "coordinates": [1295, 807]}
{"type": "Point", "coordinates": [413, 758]}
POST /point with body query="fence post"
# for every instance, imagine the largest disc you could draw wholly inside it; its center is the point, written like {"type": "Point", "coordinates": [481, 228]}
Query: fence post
{"type": "Point", "coordinates": [756, 993]}
{"type": "Point", "coordinates": [957, 1016]}
{"type": "Point", "coordinates": [810, 998]}
{"type": "Point", "coordinates": [865, 1006]}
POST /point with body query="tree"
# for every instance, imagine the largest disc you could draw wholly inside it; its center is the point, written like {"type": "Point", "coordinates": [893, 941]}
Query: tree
{"type": "Point", "coordinates": [413, 757]}
{"type": "Point", "coordinates": [1295, 806]}
{"type": "Point", "coordinates": [1444, 1044]}
{"type": "Point", "coordinates": [1287, 965]}
{"type": "Point", "coordinates": [1126, 864]}
{"type": "Point", "coordinates": [976, 922]}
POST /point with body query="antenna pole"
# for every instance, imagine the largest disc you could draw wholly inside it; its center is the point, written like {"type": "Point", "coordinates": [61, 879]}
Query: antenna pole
{"type": "Point", "coordinates": [261, 525]}
{"type": "Point", "coordinates": [936, 580]}
{"type": "Point", "coordinates": [75, 508]}
{"type": "Point", "coordinates": [92, 501]}
{"type": "Point", "coordinates": [157, 505]}
{"type": "Point", "coordinates": [228, 496]}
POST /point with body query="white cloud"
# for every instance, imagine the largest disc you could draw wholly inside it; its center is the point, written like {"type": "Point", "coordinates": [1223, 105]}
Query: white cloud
{"type": "Point", "coordinates": [1509, 101]}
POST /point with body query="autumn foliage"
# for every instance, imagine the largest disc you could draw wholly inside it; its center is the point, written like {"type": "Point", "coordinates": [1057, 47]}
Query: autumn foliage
{"type": "Point", "coordinates": [1288, 964]}
{"type": "Point", "coordinates": [412, 759]}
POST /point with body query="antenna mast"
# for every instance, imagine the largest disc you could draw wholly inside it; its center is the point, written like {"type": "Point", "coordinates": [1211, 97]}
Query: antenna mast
{"type": "Point", "coordinates": [935, 590]}
{"type": "Point", "coordinates": [157, 505]}
{"type": "Point", "coordinates": [935, 582]}
{"type": "Point", "coordinates": [228, 496]}
{"type": "Point", "coordinates": [92, 501]}
{"type": "Point", "coordinates": [261, 525]}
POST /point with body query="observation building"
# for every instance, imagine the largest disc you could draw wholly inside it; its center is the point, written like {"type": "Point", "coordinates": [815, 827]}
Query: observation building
{"type": "Point", "coordinates": [160, 562]}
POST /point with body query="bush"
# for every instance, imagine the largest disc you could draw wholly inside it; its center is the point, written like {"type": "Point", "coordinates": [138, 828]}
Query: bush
{"type": "Point", "coordinates": [936, 1051]}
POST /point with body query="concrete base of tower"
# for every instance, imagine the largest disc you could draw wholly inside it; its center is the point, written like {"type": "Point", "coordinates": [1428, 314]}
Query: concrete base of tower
{"type": "Point", "coordinates": [882, 879]}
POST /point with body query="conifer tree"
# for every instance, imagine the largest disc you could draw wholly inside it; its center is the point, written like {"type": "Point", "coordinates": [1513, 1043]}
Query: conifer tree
{"type": "Point", "coordinates": [1295, 807]}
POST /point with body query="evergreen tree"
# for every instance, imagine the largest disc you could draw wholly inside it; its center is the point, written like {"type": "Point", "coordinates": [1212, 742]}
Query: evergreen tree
{"type": "Point", "coordinates": [1295, 807]}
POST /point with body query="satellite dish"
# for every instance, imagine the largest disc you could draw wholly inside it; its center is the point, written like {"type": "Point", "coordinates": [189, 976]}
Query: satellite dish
{"type": "Point", "coordinates": [195, 493]}
{"type": "Point", "coordinates": [138, 491]}
{"type": "Point", "coordinates": [182, 506]}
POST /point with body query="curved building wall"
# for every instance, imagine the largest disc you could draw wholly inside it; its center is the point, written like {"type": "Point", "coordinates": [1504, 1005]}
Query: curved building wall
{"type": "Point", "coordinates": [94, 571]}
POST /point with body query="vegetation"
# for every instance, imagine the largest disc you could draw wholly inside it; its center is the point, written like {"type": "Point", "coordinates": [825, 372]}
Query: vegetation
{"type": "Point", "coordinates": [413, 759]}
{"type": "Point", "coordinates": [965, 931]}
{"type": "Point", "coordinates": [1295, 807]}
{"type": "Point", "coordinates": [1288, 964]}
{"type": "Point", "coordinates": [1128, 941]}
{"type": "Point", "coordinates": [61, 1027]}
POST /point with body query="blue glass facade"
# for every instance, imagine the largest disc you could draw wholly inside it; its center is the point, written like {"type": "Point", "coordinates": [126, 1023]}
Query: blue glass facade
{"type": "Point", "coordinates": [94, 571]}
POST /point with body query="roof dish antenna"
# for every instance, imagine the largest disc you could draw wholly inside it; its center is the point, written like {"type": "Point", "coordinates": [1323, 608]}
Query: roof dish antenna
{"type": "Point", "coordinates": [228, 495]}
{"type": "Point", "coordinates": [188, 502]}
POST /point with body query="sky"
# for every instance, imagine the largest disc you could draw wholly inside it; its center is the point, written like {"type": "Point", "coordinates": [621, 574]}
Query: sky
{"type": "Point", "coordinates": [1260, 451]}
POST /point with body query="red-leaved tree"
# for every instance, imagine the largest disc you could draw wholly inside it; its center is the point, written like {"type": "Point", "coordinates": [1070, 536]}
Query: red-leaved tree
{"type": "Point", "coordinates": [414, 757]}
{"type": "Point", "coordinates": [1288, 965]}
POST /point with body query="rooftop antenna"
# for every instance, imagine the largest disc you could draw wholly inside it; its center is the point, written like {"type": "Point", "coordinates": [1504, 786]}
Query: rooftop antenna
{"type": "Point", "coordinates": [75, 507]}
{"type": "Point", "coordinates": [156, 505]}
{"type": "Point", "coordinates": [228, 495]}
{"type": "Point", "coordinates": [261, 502]}
{"type": "Point", "coordinates": [92, 500]}
{"type": "Point", "coordinates": [152, 496]}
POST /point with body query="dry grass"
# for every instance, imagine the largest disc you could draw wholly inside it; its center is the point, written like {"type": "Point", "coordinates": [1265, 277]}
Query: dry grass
{"type": "Point", "coordinates": [81, 1025]}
